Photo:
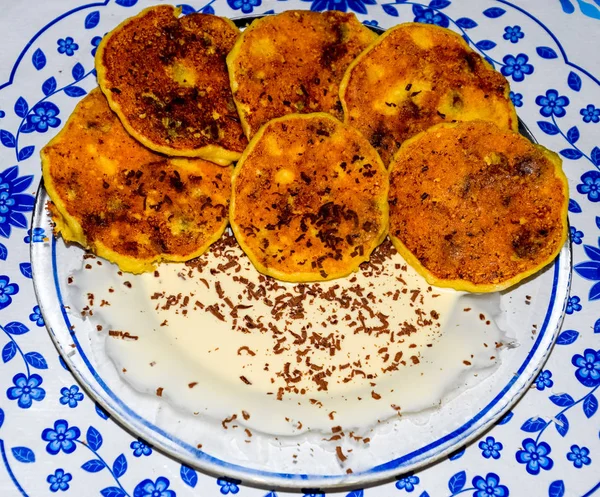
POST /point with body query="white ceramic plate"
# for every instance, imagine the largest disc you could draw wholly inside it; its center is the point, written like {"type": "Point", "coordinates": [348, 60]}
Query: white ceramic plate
{"type": "Point", "coordinates": [529, 315]}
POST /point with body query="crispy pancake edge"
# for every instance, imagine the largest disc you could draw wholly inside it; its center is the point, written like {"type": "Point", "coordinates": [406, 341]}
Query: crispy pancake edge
{"type": "Point", "coordinates": [233, 55]}
{"type": "Point", "coordinates": [467, 286]}
{"type": "Point", "coordinates": [71, 231]}
{"type": "Point", "coordinates": [305, 277]}
{"type": "Point", "coordinates": [346, 78]}
{"type": "Point", "coordinates": [212, 153]}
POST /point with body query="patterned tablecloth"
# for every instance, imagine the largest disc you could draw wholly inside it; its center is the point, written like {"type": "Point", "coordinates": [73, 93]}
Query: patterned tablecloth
{"type": "Point", "coordinates": [55, 439]}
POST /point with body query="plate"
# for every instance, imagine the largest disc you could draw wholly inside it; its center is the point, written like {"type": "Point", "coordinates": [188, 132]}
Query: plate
{"type": "Point", "coordinates": [528, 317]}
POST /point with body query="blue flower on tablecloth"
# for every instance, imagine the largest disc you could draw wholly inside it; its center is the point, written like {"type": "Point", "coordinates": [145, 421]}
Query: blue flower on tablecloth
{"type": "Point", "coordinates": [36, 316]}
{"type": "Point", "coordinates": [407, 483]}
{"type": "Point", "coordinates": [588, 367]}
{"type": "Point", "coordinates": [67, 46]}
{"type": "Point", "coordinates": [140, 448]}
{"type": "Point", "coordinates": [517, 99]}
{"type": "Point", "coordinates": [590, 185]}
{"type": "Point", "coordinates": [573, 305]}
{"type": "Point", "coordinates": [247, 6]}
{"type": "Point", "coordinates": [590, 114]}
{"type": "Point", "coordinates": [26, 390]}
{"type": "Point", "coordinates": [12, 201]}
{"type": "Point", "coordinates": [61, 437]}
{"type": "Point", "coordinates": [535, 456]}
{"type": "Point", "coordinates": [59, 480]}
{"type": "Point", "coordinates": [490, 448]}
{"type": "Point", "coordinates": [579, 456]}
{"type": "Point", "coordinates": [229, 485]}
{"type": "Point", "coordinates": [95, 42]}
{"type": "Point", "coordinates": [489, 486]}
{"type": "Point", "coordinates": [38, 235]}
{"type": "Point", "coordinates": [514, 33]}
{"type": "Point", "coordinates": [371, 23]}
{"type": "Point", "coordinates": [148, 488]}
{"type": "Point", "coordinates": [7, 289]}
{"type": "Point", "coordinates": [576, 235]}
{"type": "Point", "coordinates": [42, 117]}
{"type": "Point", "coordinates": [429, 16]}
{"type": "Point", "coordinates": [517, 67]}
{"type": "Point", "coordinates": [71, 396]}
{"type": "Point", "coordinates": [552, 104]}
{"type": "Point", "coordinates": [341, 5]}
{"type": "Point", "coordinates": [543, 380]}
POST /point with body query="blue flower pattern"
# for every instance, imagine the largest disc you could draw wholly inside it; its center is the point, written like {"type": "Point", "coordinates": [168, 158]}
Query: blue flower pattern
{"type": "Point", "coordinates": [7, 290]}
{"type": "Point", "coordinates": [513, 33]}
{"type": "Point", "coordinates": [59, 480]}
{"type": "Point", "coordinates": [543, 380]}
{"type": "Point", "coordinates": [26, 390]}
{"type": "Point", "coordinates": [61, 437]}
{"type": "Point", "coordinates": [586, 366]}
{"type": "Point", "coordinates": [573, 305]}
{"type": "Point", "coordinates": [490, 448]}
{"type": "Point", "coordinates": [429, 16]}
{"type": "Point", "coordinates": [140, 448]}
{"type": "Point", "coordinates": [36, 316]}
{"type": "Point", "coordinates": [70, 396]}
{"type": "Point", "coordinates": [590, 114]}
{"type": "Point", "coordinates": [67, 46]}
{"type": "Point", "coordinates": [228, 486]}
{"type": "Point", "coordinates": [516, 67]}
{"type": "Point", "coordinates": [13, 202]}
{"type": "Point", "coordinates": [35, 236]}
{"type": "Point", "coordinates": [407, 483]}
{"type": "Point", "coordinates": [579, 456]}
{"type": "Point", "coordinates": [552, 104]}
{"type": "Point", "coordinates": [535, 456]}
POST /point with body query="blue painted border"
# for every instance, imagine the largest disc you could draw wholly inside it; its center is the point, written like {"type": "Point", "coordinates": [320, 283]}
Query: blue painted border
{"type": "Point", "coordinates": [388, 466]}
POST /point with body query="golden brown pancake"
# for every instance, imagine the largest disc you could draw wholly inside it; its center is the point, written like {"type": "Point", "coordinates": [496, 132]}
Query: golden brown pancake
{"type": "Point", "coordinates": [126, 203]}
{"type": "Point", "coordinates": [476, 207]}
{"type": "Point", "coordinates": [309, 198]}
{"type": "Point", "coordinates": [293, 63]}
{"type": "Point", "coordinates": [418, 75]}
{"type": "Point", "coordinates": [167, 80]}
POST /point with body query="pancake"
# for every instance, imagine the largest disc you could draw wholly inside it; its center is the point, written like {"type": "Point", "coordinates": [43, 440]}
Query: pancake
{"type": "Point", "coordinates": [293, 63]}
{"type": "Point", "coordinates": [167, 80]}
{"type": "Point", "coordinates": [309, 199]}
{"type": "Point", "coordinates": [418, 75]}
{"type": "Point", "coordinates": [475, 207]}
{"type": "Point", "coordinates": [126, 203]}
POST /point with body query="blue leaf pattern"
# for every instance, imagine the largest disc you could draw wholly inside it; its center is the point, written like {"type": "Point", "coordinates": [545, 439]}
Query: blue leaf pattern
{"type": "Point", "coordinates": [93, 466]}
{"type": "Point", "coordinates": [36, 360]}
{"type": "Point", "coordinates": [556, 489]}
{"type": "Point", "coordinates": [21, 107]}
{"type": "Point", "coordinates": [485, 45]}
{"type": "Point", "coordinates": [574, 81]}
{"type": "Point", "coordinates": [25, 267]}
{"type": "Point", "coordinates": [466, 23]}
{"type": "Point", "coordinates": [112, 492]}
{"type": "Point", "coordinates": [26, 152]}
{"type": "Point", "coordinates": [92, 20]}
{"type": "Point", "coordinates": [16, 328]}
{"type": "Point", "coordinates": [533, 425]}
{"type": "Point", "coordinates": [548, 127]}
{"type": "Point", "coordinates": [494, 12]}
{"type": "Point", "coordinates": [38, 59]}
{"type": "Point", "coordinates": [567, 337]}
{"type": "Point", "coordinates": [562, 400]}
{"type": "Point", "coordinates": [590, 406]}
{"type": "Point", "coordinates": [93, 437]}
{"type": "Point", "coordinates": [3, 252]}
{"type": "Point", "coordinates": [546, 53]}
{"type": "Point", "coordinates": [9, 351]}
{"type": "Point", "coordinates": [7, 138]}
{"type": "Point", "coordinates": [595, 156]}
{"type": "Point", "coordinates": [49, 86]}
{"type": "Point", "coordinates": [23, 454]}
{"type": "Point", "coordinates": [75, 91]}
{"type": "Point", "coordinates": [457, 482]}
{"type": "Point", "coordinates": [390, 10]}
{"type": "Point", "coordinates": [573, 135]}
{"type": "Point", "coordinates": [188, 475]}
{"type": "Point", "coordinates": [571, 153]}
{"type": "Point", "coordinates": [574, 207]}
{"type": "Point", "coordinates": [120, 466]}
{"type": "Point", "coordinates": [78, 71]}
{"type": "Point", "coordinates": [562, 424]}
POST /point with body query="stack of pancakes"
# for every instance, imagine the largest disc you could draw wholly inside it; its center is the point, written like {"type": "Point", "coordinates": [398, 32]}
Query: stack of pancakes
{"type": "Point", "coordinates": [339, 136]}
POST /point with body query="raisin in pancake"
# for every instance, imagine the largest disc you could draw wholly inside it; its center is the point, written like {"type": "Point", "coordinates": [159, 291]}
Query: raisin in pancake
{"type": "Point", "coordinates": [167, 80]}
{"type": "Point", "coordinates": [309, 198]}
{"type": "Point", "coordinates": [418, 75]}
{"type": "Point", "coordinates": [476, 207]}
{"type": "Point", "coordinates": [293, 63]}
{"type": "Point", "coordinates": [126, 203]}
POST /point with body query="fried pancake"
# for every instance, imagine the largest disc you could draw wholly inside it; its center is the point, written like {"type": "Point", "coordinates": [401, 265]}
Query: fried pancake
{"type": "Point", "coordinates": [309, 198]}
{"type": "Point", "coordinates": [167, 80]}
{"type": "Point", "coordinates": [126, 203]}
{"type": "Point", "coordinates": [418, 75]}
{"type": "Point", "coordinates": [293, 63]}
{"type": "Point", "coordinates": [475, 207]}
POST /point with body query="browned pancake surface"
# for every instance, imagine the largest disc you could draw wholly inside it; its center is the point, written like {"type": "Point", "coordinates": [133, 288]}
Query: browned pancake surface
{"type": "Point", "coordinates": [167, 79]}
{"type": "Point", "coordinates": [476, 207]}
{"type": "Point", "coordinates": [416, 76]}
{"type": "Point", "coordinates": [293, 63]}
{"type": "Point", "coordinates": [309, 199]}
{"type": "Point", "coordinates": [125, 202]}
